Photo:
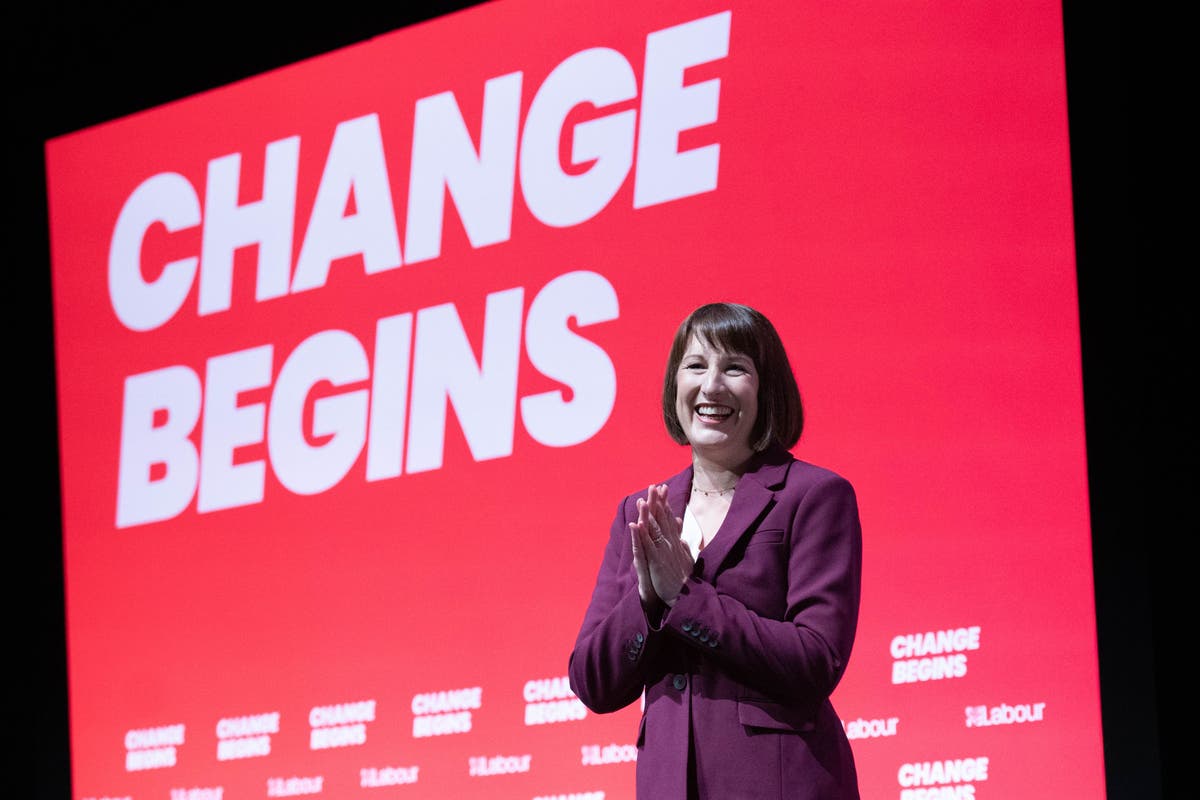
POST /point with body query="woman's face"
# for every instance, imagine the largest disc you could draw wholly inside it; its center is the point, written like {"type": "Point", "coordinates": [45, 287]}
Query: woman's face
{"type": "Point", "coordinates": [716, 398]}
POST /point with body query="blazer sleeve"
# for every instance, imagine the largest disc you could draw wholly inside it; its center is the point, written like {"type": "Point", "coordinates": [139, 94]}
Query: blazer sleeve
{"type": "Point", "coordinates": [800, 658]}
{"type": "Point", "coordinates": [607, 665]}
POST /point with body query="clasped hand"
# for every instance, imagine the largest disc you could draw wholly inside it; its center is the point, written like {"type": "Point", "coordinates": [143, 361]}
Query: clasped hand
{"type": "Point", "coordinates": [661, 558]}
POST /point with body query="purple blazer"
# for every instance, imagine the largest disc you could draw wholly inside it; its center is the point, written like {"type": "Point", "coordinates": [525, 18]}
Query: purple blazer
{"type": "Point", "coordinates": [737, 675]}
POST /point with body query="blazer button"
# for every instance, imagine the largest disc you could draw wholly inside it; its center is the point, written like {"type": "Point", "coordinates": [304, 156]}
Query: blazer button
{"type": "Point", "coordinates": [679, 682]}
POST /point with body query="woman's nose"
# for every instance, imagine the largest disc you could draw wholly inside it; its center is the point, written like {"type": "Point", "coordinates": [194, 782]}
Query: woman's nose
{"type": "Point", "coordinates": [713, 382]}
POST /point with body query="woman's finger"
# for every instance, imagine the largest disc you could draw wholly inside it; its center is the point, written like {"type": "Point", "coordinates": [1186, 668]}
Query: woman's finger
{"type": "Point", "coordinates": [641, 567]}
{"type": "Point", "coordinates": [655, 531]}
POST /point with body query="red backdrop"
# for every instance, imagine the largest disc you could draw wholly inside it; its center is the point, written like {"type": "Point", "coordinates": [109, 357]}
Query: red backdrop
{"type": "Point", "coordinates": [357, 356]}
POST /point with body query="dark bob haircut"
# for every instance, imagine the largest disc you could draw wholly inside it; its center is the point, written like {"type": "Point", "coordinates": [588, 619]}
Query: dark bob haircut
{"type": "Point", "coordinates": [735, 328]}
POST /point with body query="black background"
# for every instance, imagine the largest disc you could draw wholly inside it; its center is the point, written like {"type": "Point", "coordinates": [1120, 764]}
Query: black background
{"type": "Point", "coordinates": [69, 67]}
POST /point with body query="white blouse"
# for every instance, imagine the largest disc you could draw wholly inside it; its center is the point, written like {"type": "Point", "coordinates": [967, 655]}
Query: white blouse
{"type": "Point", "coordinates": [692, 535]}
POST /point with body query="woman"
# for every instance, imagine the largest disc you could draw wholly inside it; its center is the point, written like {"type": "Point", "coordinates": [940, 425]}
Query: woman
{"type": "Point", "coordinates": [729, 594]}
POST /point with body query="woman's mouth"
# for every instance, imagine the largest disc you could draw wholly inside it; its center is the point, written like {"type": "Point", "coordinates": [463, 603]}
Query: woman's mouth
{"type": "Point", "coordinates": [713, 413]}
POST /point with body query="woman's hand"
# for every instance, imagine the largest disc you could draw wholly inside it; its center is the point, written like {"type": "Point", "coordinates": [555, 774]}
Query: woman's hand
{"type": "Point", "coordinates": [661, 558]}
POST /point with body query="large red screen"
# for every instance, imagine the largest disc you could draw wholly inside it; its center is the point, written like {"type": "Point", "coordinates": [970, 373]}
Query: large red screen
{"type": "Point", "coordinates": [356, 358]}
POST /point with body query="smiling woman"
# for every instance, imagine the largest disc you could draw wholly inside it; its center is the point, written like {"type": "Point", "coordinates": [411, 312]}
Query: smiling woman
{"type": "Point", "coordinates": [716, 402]}
{"type": "Point", "coordinates": [729, 594]}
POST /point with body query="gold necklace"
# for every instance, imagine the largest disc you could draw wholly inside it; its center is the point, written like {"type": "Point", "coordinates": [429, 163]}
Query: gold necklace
{"type": "Point", "coordinates": [713, 492]}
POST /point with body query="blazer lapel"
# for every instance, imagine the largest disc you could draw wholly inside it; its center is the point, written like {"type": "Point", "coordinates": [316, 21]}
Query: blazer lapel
{"type": "Point", "coordinates": [679, 489]}
{"type": "Point", "coordinates": [754, 494]}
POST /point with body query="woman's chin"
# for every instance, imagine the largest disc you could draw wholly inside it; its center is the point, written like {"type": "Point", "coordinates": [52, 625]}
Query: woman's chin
{"type": "Point", "coordinates": [714, 439]}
